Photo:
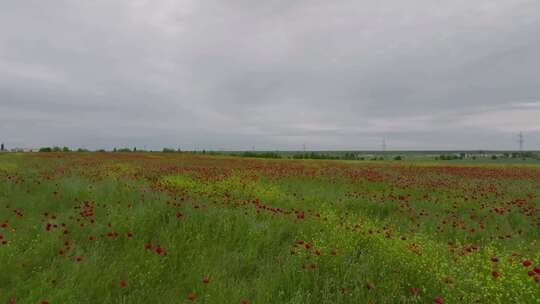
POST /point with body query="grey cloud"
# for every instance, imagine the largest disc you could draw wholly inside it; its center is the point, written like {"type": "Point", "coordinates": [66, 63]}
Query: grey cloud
{"type": "Point", "coordinates": [274, 75]}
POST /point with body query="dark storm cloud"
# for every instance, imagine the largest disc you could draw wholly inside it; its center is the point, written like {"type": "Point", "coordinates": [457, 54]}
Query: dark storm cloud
{"type": "Point", "coordinates": [273, 74]}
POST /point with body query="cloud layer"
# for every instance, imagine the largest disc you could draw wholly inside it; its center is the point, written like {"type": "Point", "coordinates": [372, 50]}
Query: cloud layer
{"type": "Point", "coordinates": [273, 75]}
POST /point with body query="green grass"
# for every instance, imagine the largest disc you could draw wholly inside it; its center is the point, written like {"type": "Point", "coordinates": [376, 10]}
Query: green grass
{"type": "Point", "coordinates": [375, 230]}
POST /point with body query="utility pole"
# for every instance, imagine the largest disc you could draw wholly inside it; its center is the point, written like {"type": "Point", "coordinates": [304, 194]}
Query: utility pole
{"type": "Point", "coordinates": [304, 147]}
{"type": "Point", "coordinates": [384, 144]}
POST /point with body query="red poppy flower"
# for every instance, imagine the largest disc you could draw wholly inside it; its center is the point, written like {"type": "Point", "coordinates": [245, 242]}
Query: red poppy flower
{"type": "Point", "coordinates": [205, 280]}
{"type": "Point", "coordinates": [414, 291]}
{"type": "Point", "coordinates": [495, 274]}
{"type": "Point", "coordinates": [122, 284]}
{"type": "Point", "coordinates": [191, 296]}
{"type": "Point", "coordinates": [160, 251]}
{"type": "Point", "coordinates": [438, 300]}
{"type": "Point", "coordinates": [526, 263]}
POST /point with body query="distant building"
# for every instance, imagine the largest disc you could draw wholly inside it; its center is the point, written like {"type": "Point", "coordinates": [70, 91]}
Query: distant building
{"type": "Point", "coordinates": [17, 149]}
{"type": "Point", "coordinates": [2, 147]}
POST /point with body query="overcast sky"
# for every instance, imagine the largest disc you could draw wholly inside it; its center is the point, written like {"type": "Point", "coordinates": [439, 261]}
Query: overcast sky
{"type": "Point", "coordinates": [424, 74]}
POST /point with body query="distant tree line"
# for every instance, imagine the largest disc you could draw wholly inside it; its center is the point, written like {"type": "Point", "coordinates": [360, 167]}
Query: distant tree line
{"type": "Point", "coordinates": [54, 149]}
{"type": "Point", "coordinates": [448, 157]}
{"type": "Point", "coordinates": [67, 149]}
{"type": "Point", "coordinates": [258, 154]}
{"type": "Point", "coordinates": [319, 155]}
{"type": "Point", "coordinates": [313, 155]}
{"type": "Point", "coordinates": [307, 155]}
{"type": "Point", "coordinates": [344, 156]}
{"type": "Point", "coordinates": [489, 155]}
{"type": "Point", "coordinates": [521, 155]}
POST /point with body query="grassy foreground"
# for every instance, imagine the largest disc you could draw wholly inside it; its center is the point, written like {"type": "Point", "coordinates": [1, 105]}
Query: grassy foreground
{"type": "Point", "coordinates": [169, 228]}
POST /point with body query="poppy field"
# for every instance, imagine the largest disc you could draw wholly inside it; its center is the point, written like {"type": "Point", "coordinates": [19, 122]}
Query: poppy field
{"type": "Point", "coordinates": [188, 228]}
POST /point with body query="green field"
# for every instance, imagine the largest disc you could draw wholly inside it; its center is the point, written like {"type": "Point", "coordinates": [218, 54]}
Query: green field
{"type": "Point", "coordinates": [186, 228]}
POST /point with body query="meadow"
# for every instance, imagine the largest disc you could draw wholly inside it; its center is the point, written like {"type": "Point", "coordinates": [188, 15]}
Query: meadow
{"type": "Point", "coordinates": [185, 228]}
